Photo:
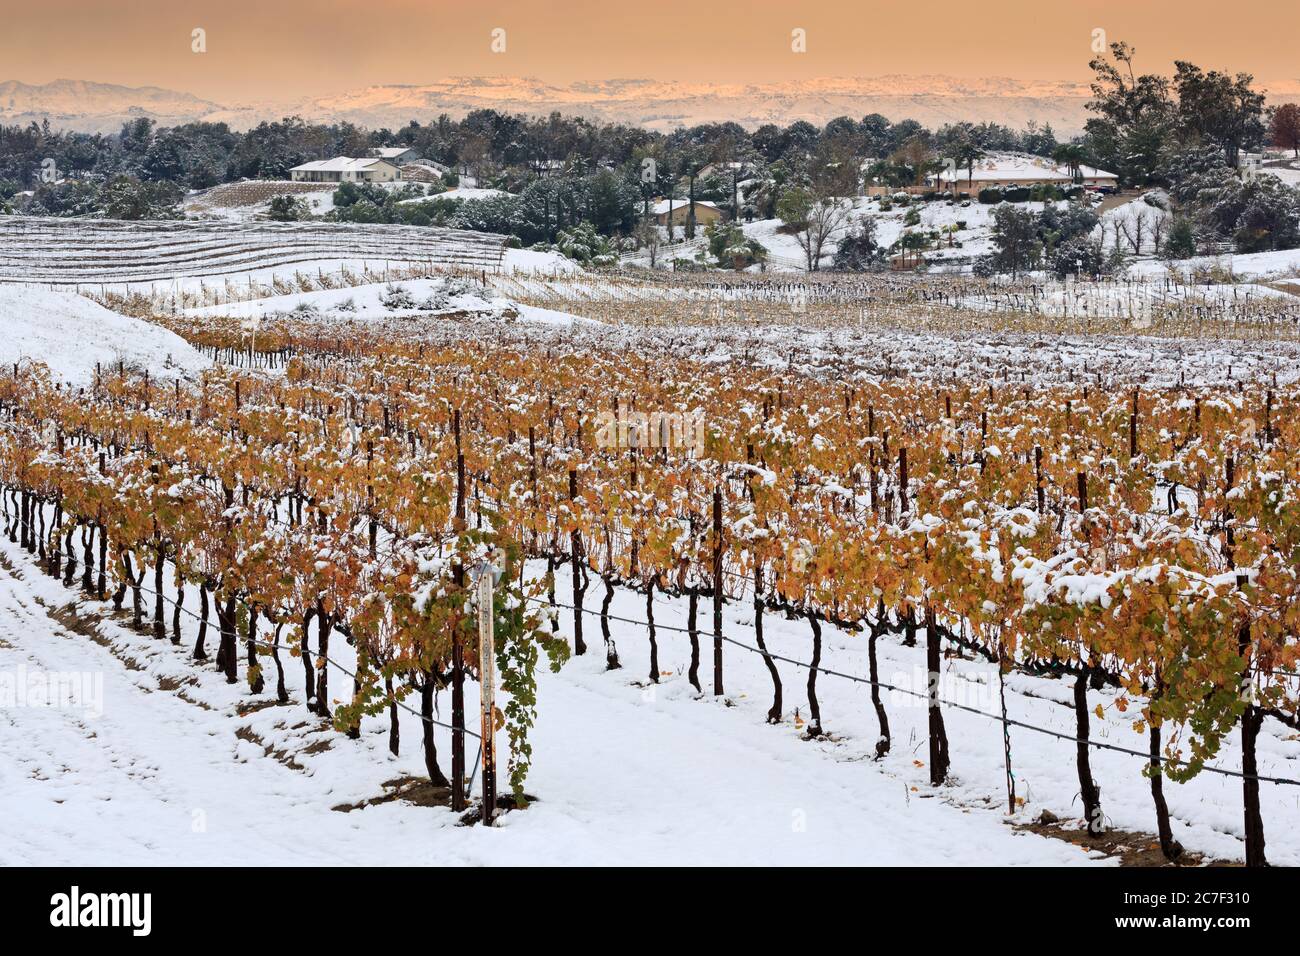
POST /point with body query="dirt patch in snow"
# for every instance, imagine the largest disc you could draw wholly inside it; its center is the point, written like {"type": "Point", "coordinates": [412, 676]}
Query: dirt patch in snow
{"type": "Point", "coordinates": [420, 792]}
{"type": "Point", "coordinates": [283, 756]}
{"type": "Point", "coordinates": [413, 790]}
{"type": "Point", "coordinates": [1129, 847]}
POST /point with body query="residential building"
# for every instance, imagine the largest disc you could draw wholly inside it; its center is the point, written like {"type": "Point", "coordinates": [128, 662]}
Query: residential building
{"type": "Point", "coordinates": [343, 169]}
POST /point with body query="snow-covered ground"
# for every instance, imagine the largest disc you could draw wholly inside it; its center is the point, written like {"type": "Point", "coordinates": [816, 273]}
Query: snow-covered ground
{"type": "Point", "coordinates": [1134, 226]}
{"type": "Point", "coordinates": [462, 193]}
{"type": "Point", "coordinates": [376, 300]}
{"type": "Point", "coordinates": [534, 261]}
{"type": "Point", "coordinates": [158, 763]}
{"type": "Point", "coordinates": [1288, 173]}
{"type": "Point", "coordinates": [250, 200]}
{"type": "Point", "coordinates": [965, 228]}
{"type": "Point", "coordinates": [71, 334]}
{"type": "Point", "coordinates": [1258, 266]}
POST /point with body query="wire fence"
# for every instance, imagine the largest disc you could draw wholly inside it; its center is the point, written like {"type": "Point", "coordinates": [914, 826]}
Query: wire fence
{"type": "Point", "coordinates": [736, 642]}
{"type": "Point", "coordinates": [773, 656]}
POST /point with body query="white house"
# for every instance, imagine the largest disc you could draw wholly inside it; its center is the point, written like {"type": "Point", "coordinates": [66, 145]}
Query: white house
{"type": "Point", "coordinates": [1007, 170]}
{"type": "Point", "coordinates": [343, 169]}
{"type": "Point", "coordinates": [397, 155]}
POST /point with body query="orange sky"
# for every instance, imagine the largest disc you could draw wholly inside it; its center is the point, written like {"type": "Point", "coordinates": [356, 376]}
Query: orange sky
{"type": "Point", "coordinates": [277, 49]}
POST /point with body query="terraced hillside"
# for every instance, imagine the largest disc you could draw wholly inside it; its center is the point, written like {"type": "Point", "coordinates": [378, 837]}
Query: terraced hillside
{"type": "Point", "coordinates": [70, 252]}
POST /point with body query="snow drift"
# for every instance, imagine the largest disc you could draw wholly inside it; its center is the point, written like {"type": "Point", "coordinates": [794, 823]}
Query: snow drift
{"type": "Point", "coordinates": [70, 333]}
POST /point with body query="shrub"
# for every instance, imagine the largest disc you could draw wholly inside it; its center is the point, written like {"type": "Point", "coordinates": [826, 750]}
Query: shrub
{"type": "Point", "coordinates": [729, 247]}
{"type": "Point", "coordinates": [1181, 241]}
{"type": "Point", "coordinates": [584, 244]}
{"type": "Point", "coordinates": [1046, 192]}
{"type": "Point", "coordinates": [1082, 255]}
{"type": "Point", "coordinates": [396, 297]}
{"type": "Point", "coordinates": [288, 209]}
{"type": "Point", "coordinates": [859, 250]}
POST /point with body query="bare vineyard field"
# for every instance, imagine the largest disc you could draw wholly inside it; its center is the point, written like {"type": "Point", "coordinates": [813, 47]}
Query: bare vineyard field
{"type": "Point", "coordinates": [1159, 306]}
{"type": "Point", "coordinates": [250, 193]}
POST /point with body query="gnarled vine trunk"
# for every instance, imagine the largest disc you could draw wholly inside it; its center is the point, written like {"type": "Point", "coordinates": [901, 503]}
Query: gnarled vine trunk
{"type": "Point", "coordinates": [227, 650]}
{"type": "Point", "coordinates": [1170, 847]}
{"type": "Point", "coordinates": [436, 776]}
{"type": "Point", "coordinates": [938, 733]}
{"type": "Point", "coordinates": [650, 625]}
{"type": "Point", "coordinates": [611, 652]}
{"type": "Point", "coordinates": [883, 742]}
{"type": "Point", "coordinates": [692, 621]}
{"type": "Point", "coordinates": [200, 653]}
{"type": "Point", "coordinates": [773, 712]}
{"type": "Point", "coordinates": [1089, 792]}
{"type": "Point", "coordinates": [814, 709]}
{"type": "Point", "coordinates": [322, 674]}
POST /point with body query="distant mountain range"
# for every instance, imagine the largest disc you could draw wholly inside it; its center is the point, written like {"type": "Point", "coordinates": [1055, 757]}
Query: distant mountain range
{"type": "Point", "coordinates": [664, 105]}
{"type": "Point", "coordinates": [96, 107]}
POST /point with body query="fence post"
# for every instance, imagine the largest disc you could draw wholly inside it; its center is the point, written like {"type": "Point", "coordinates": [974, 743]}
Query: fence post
{"type": "Point", "coordinates": [1038, 476]}
{"type": "Point", "coordinates": [717, 592]}
{"type": "Point", "coordinates": [487, 687]}
{"type": "Point", "coordinates": [457, 648]}
{"type": "Point", "coordinates": [902, 479]}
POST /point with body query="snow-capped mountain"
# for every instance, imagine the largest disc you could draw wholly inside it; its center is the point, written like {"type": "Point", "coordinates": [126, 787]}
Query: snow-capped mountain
{"type": "Point", "coordinates": [95, 107]}
{"type": "Point", "coordinates": [930, 99]}
{"type": "Point", "coordinates": [659, 104]}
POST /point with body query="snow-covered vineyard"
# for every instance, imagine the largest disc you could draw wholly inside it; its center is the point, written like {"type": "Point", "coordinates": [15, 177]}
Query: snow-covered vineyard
{"type": "Point", "coordinates": [223, 256]}
{"type": "Point", "coordinates": [1142, 302]}
{"type": "Point", "coordinates": [867, 570]}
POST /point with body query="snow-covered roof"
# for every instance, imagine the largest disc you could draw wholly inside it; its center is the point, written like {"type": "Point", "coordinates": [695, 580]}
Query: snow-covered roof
{"type": "Point", "coordinates": [734, 165]}
{"type": "Point", "coordinates": [1092, 172]}
{"type": "Point", "coordinates": [340, 164]}
{"type": "Point", "coordinates": [661, 207]}
{"type": "Point", "coordinates": [1016, 166]}
{"type": "Point", "coordinates": [391, 152]}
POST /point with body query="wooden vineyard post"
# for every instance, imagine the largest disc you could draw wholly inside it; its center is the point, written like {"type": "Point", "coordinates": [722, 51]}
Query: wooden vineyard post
{"type": "Point", "coordinates": [457, 646]}
{"type": "Point", "coordinates": [717, 592]}
{"type": "Point", "coordinates": [902, 479]}
{"type": "Point", "coordinates": [1252, 717]}
{"type": "Point", "coordinates": [1038, 477]}
{"type": "Point", "coordinates": [1133, 428]}
{"type": "Point", "coordinates": [487, 688]}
